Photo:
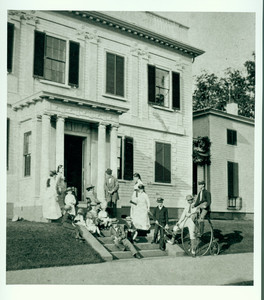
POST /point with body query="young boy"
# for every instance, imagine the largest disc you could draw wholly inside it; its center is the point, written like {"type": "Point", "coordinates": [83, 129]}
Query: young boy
{"type": "Point", "coordinates": [68, 222]}
{"type": "Point", "coordinates": [103, 218]}
{"type": "Point", "coordinates": [160, 216]}
{"type": "Point", "coordinates": [118, 235]}
{"type": "Point", "coordinates": [70, 200]}
{"type": "Point", "coordinates": [130, 230]}
{"type": "Point", "coordinates": [188, 214]}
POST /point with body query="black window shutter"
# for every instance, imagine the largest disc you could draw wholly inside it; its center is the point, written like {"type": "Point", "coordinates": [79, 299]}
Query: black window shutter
{"type": "Point", "coordinates": [151, 83]}
{"type": "Point", "coordinates": [74, 63]}
{"type": "Point", "coordinates": [39, 48]}
{"type": "Point", "coordinates": [230, 178]}
{"type": "Point", "coordinates": [234, 137]}
{"type": "Point", "coordinates": [110, 73]}
{"type": "Point", "coordinates": [7, 142]}
{"type": "Point", "coordinates": [235, 180]}
{"type": "Point", "coordinates": [120, 76]}
{"type": "Point", "coordinates": [128, 158]}
{"type": "Point", "coordinates": [176, 90]}
{"type": "Point", "coordinates": [10, 43]}
{"type": "Point", "coordinates": [159, 170]}
{"type": "Point", "coordinates": [167, 163]}
{"type": "Point", "coordinates": [229, 137]}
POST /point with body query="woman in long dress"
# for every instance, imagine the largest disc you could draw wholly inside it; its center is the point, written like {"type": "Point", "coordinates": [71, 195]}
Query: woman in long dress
{"type": "Point", "coordinates": [51, 208]}
{"type": "Point", "coordinates": [137, 182]}
{"type": "Point", "coordinates": [141, 208]}
{"type": "Point", "coordinates": [60, 186]}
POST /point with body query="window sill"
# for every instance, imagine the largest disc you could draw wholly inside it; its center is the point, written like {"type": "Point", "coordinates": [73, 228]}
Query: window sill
{"type": "Point", "coordinates": [164, 108]}
{"type": "Point", "coordinates": [124, 181]}
{"type": "Point", "coordinates": [114, 97]}
{"type": "Point", "coordinates": [55, 84]}
{"type": "Point", "coordinates": [160, 183]}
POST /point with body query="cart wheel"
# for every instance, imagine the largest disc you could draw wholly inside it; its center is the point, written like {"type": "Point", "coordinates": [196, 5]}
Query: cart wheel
{"type": "Point", "coordinates": [215, 248]}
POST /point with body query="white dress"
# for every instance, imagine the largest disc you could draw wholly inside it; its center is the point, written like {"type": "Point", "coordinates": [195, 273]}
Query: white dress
{"type": "Point", "coordinates": [70, 200]}
{"type": "Point", "coordinates": [139, 214]}
{"type": "Point", "coordinates": [135, 195]}
{"type": "Point", "coordinates": [51, 209]}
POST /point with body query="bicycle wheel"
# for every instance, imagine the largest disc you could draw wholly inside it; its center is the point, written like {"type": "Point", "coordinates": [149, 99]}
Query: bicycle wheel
{"type": "Point", "coordinates": [215, 248]}
{"type": "Point", "coordinates": [203, 237]}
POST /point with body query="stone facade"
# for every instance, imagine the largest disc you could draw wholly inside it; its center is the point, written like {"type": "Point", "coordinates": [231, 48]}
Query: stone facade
{"type": "Point", "coordinates": [51, 110]}
{"type": "Point", "coordinates": [214, 124]}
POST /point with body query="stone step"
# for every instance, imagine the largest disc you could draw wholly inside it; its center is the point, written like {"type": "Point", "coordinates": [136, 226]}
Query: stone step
{"type": "Point", "coordinates": [138, 246]}
{"type": "Point", "coordinates": [143, 253]}
{"type": "Point", "coordinates": [142, 239]}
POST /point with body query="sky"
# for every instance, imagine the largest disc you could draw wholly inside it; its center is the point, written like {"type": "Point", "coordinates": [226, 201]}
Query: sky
{"type": "Point", "coordinates": [228, 39]}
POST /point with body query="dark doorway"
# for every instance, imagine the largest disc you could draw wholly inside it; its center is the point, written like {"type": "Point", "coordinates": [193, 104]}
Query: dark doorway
{"type": "Point", "coordinates": [194, 179]}
{"type": "Point", "coordinates": [73, 163]}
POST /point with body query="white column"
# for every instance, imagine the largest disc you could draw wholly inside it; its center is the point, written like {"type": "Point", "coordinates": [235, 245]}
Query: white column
{"type": "Point", "coordinates": [101, 161]}
{"type": "Point", "coordinates": [60, 141]}
{"type": "Point", "coordinates": [113, 149]}
{"type": "Point", "coordinates": [45, 143]}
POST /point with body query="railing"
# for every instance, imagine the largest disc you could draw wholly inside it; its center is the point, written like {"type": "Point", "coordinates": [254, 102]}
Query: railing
{"type": "Point", "coordinates": [234, 203]}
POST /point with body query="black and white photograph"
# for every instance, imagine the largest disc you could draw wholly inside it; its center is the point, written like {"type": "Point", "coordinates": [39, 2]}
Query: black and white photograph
{"type": "Point", "coordinates": [131, 154]}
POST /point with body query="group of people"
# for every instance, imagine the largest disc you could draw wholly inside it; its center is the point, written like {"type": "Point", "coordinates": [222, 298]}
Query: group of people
{"type": "Point", "coordinates": [61, 202]}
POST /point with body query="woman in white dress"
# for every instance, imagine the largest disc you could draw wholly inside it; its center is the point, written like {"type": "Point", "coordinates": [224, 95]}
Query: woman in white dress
{"type": "Point", "coordinates": [60, 186]}
{"type": "Point", "coordinates": [51, 208]}
{"type": "Point", "coordinates": [141, 208]}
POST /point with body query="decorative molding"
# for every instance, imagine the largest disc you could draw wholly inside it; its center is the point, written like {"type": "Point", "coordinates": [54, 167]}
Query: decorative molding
{"type": "Point", "coordinates": [26, 16]}
{"type": "Point", "coordinates": [90, 36]}
{"type": "Point", "coordinates": [137, 51]}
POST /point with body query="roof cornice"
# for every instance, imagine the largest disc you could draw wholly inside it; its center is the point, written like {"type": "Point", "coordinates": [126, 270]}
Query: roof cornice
{"type": "Point", "coordinates": [219, 113]}
{"type": "Point", "coordinates": [138, 32]}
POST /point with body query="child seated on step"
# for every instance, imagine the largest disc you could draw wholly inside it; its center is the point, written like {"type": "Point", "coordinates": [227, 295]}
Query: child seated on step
{"type": "Point", "coordinates": [91, 223]}
{"type": "Point", "coordinates": [79, 219]}
{"type": "Point", "coordinates": [68, 223]}
{"type": "Point", "coordinates": [130, 230]}
{"type": "Point", "coordinates": [103, 219]}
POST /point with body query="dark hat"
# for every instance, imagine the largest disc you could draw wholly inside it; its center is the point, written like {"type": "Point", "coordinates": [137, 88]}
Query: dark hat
{"type": "Point", "coordinates": [68, 189]}
{"type": "Point", "coordinates": [114, 221]}
{"type": "Point", "coordinates": [52, 173]}
{"type": "Point", "coordinates": [108, 171]}
{"type": "Point", "coordinates": [90, 186]}
{"type": "Point", "coordinates": [189, 197]}
{"type": "Point", "coordinates": [201, 182]}
{"type": "Point", "coordinates": [88, 200]}
{"type": "Point", "coordinates": [160, 200]}
{"type": "Point", "coordinates": [141, 186]}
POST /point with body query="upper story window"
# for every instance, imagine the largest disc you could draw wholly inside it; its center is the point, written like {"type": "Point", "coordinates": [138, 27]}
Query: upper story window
{"type": "Point", "coordinates": [10, 43]}
{"type": "Point", "coordinates": [125, 158]}
{"type": "Point", "coordinates": [163, 163]}
{"type": "Point", "coordinates": [115, 75]}
{"type": "Point", "coordinates": [231, 137]}
{"type": "Point", "coordinates": [50, 59]}
{"type": "Point", "coordinates": [27, 153]}
{"type": "Point", "coordinates": [159, 88]}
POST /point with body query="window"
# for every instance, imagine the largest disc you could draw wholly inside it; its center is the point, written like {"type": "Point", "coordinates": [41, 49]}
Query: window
{"type": "Point", "coordinates": [125, 158]}
{"type": "Point", "coordinates": [50, 59]}
{"type": "Point", "coordinates": [27, 153]}
{"type": "Point", "coordinates": [232, 177]}
{"type": "Point", "coordinates": [7, 142]}
{"type": "Point", "coordinates": [163, 163]}
{"type": "Point", "coordinates": [159, 88]}
{"type": "Point", "coordinates": [115, 74]}
{"type": "Point", "coordinates": [231, 137]}
{"type": "Point", "coordinates": [10, 43]}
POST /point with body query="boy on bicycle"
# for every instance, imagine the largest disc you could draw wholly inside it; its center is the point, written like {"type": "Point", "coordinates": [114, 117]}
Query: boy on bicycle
{"type": "Point", "coordinates": [187, 219]}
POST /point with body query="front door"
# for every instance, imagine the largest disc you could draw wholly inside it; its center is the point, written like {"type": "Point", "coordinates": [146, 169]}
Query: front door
{"type": "Point", "coordinates": [73, 163]}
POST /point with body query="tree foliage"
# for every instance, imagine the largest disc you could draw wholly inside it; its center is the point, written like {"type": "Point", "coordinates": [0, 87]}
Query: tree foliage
{"type": "Point", "coordinates": [214, 92]}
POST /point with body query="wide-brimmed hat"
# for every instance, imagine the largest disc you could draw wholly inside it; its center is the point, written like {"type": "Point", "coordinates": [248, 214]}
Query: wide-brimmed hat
{"type": "Point", "coordinates": [69, 189]}
{"type": "Point", "coordinates": [90, 186]}
{"type": "Point", "coordinates": [108, 171]}
{"type": "Point", "coordinates": [189, 197]}
{"type": "Point", "coordinates": [88, 200]}
{"type": "Point", "coordinates": [128, 218]}
{"type": "Point", "coordinates": [141, 186]}
{"type": "Point", "coordinates": [52, 173]}
{"type": "Point", "coordinates": [114, 221]}
{"type": "Point", "coordinates": [160, 200]}
{"type": "Point", "coordinates": [94, 203]}
{"type": "Point", "coordinates": [201, 182]}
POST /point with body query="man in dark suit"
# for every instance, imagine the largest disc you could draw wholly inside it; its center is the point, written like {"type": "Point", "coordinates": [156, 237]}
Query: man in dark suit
{"type": "Point", "coordinates": [111, 192]}
{"type": "Point", "coordinates": [160, 216]}
{"type": "Point", "coordinates": [203, 203]}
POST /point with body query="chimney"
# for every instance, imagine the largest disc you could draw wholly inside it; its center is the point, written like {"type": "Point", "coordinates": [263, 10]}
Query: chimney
{"type": "Point", "coordinates": [232, 108]}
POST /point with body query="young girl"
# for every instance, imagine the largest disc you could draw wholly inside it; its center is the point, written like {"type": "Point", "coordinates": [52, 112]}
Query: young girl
{"type": "Point", "coordinates": [92, 219]}
{"type": "Point", "coordinates": [70, 200]}
{"type": "Point", "coordinates": [103, 218]}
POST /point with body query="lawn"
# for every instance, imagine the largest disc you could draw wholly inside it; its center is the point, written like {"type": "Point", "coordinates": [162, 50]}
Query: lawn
{"type": "Point", "coordinates": [35, 245]}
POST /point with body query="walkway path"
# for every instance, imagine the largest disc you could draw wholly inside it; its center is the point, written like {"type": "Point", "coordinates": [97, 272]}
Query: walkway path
{"type": "Point", "coordinates": [209, 270]}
